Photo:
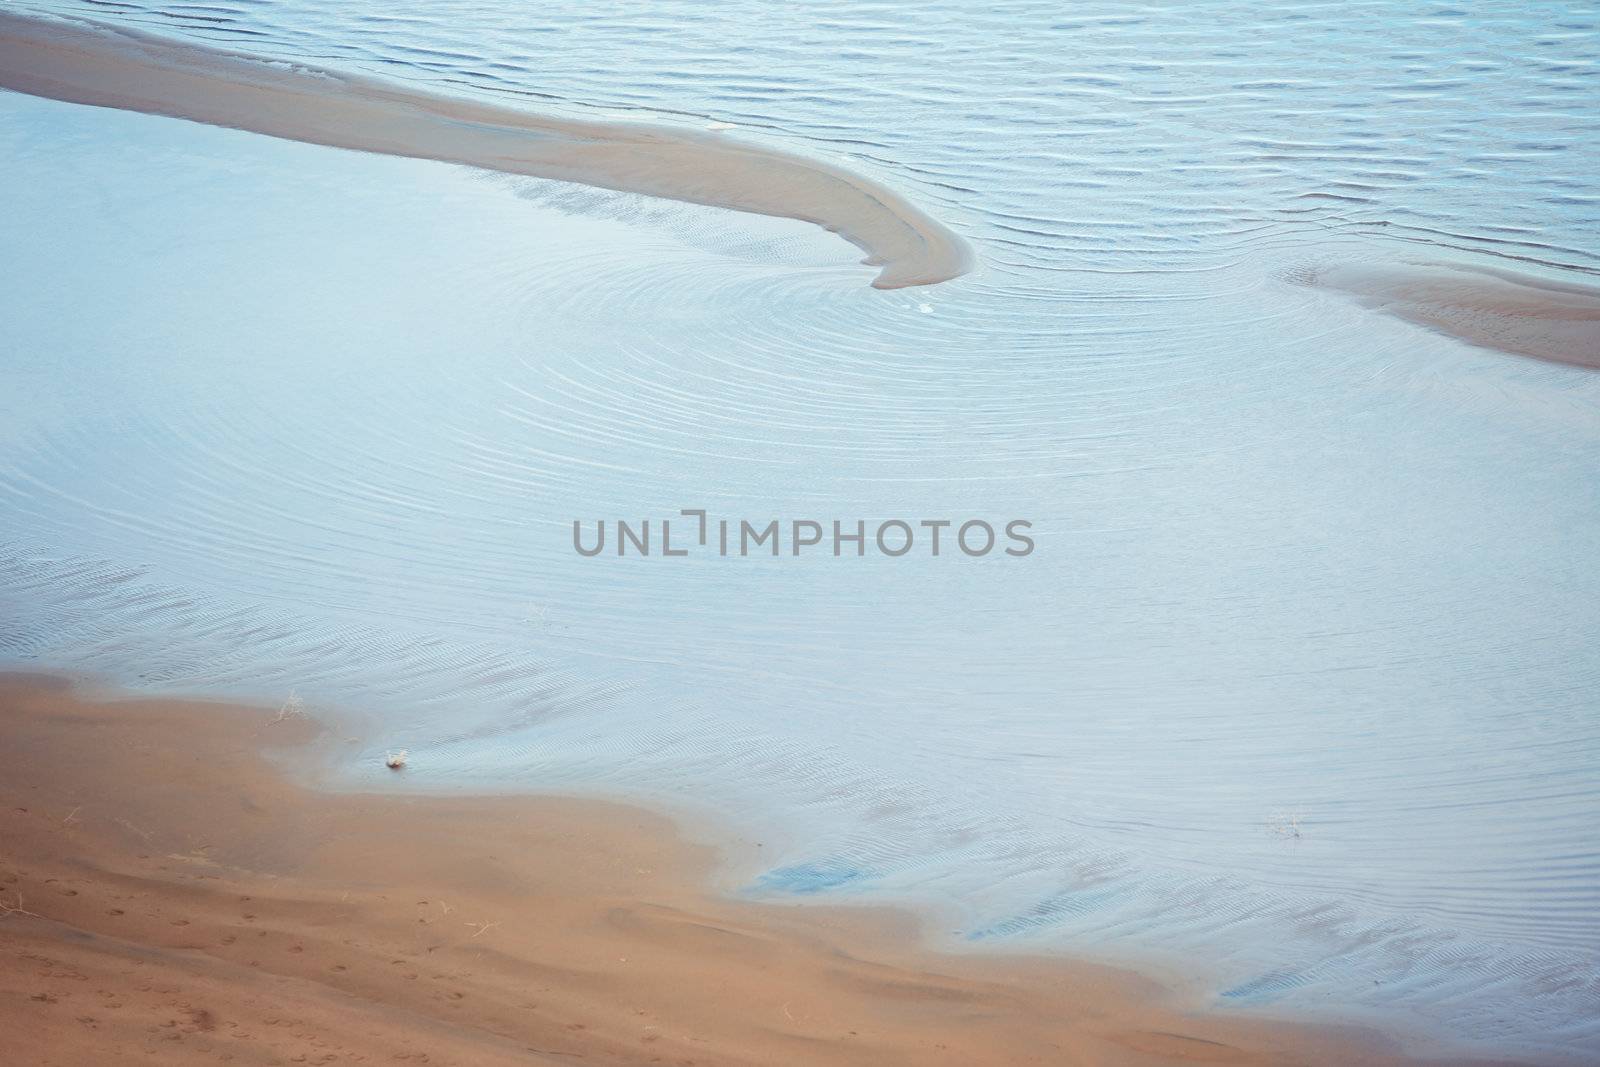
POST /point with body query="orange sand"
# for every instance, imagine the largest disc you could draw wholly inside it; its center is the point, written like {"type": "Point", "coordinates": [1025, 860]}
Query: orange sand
{"type": "Point", "coordinates": [167, 896]}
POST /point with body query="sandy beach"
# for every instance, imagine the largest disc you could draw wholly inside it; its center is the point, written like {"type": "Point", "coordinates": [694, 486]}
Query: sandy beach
{"type": "Point", "coordinates": [168, 894]}
{"type": "Point", "coordinates": [328, 323]}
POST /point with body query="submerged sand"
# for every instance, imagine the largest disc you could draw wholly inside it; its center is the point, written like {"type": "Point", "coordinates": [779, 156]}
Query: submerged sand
{"type": "Point", "coordinates": [86, 62]}
{"type": "Point", "coordinates": [165, 892]}
{"type": "Point", "coordinates": [1500, 309]}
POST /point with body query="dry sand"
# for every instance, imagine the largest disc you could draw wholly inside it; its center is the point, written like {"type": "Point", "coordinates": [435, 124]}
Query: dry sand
{"type": "Point", "coordinates": [169, 896]}
{"type": "Point", "coordinates": [1484, 306]}
{"type": "Point", "coordinates": [90, 63]}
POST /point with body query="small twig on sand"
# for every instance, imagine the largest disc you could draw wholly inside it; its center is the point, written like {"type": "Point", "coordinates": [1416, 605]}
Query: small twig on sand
{"type": "Point", "coordinates": [72, 816]}
{"type": "Point", "coordinates": [142, 833]}
{"type": "Point", "coordinates": [482, 928]}
{"type": "Point", "coordinates": [292, 707]}
{"type": "Point", "coordinates": [17, 909]}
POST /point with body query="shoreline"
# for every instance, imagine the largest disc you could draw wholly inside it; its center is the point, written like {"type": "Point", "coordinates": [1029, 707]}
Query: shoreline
{"type": "Point", "coordinates": [86, 62]}
{"type": "Point", "coordinates": [188, 898]}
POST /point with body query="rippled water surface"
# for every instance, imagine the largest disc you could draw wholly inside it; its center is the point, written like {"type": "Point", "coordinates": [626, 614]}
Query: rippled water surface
{"type": "Point", "coordinates": [1302, 680]}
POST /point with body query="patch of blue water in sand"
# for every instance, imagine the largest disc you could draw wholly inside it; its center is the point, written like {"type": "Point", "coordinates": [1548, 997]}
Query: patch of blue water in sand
{"type": "Point", "coordinates": [805, 878]}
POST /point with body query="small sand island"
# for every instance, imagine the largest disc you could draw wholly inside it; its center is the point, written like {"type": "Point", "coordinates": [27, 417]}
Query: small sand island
{"type": "Point", "coordinates": [1490, 307]}
{"type": "Point", "coordinates": [86, 62]}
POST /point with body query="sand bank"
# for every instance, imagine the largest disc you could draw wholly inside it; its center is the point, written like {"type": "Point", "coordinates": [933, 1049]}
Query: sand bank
{"type": "Point", "coordinates": [166, 891]}
{"type": "Point", "coordinates": [1498, 309]}
{"type": "Point", "coordinates": [90, 63]}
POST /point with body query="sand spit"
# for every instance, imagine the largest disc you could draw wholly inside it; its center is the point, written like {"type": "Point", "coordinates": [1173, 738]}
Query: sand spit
{"type": "Point", "coordinates": [165, 892]}
{"type": "Point", "coordinates": [91, 63]}
{"type": "Point", "coordinates": [1499, 309]}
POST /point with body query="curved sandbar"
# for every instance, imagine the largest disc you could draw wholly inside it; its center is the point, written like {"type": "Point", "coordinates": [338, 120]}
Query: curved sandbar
{"type": "Point", "coordinates": [86, 62]}
{"type": "Point", "coordinates": [1484, 306]}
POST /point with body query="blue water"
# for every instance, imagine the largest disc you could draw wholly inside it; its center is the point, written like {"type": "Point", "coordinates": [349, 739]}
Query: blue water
{"type": "Point", "coordinates": [1299, 692]}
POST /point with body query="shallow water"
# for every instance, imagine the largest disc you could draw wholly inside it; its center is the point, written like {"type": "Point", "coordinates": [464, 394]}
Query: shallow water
{"type": "Point", "coordinates": [1301, 680]}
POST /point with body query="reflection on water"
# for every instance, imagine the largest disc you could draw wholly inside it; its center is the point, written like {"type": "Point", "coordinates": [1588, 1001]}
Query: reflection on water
{"type": "Point", "coordinates": [1301, 679]}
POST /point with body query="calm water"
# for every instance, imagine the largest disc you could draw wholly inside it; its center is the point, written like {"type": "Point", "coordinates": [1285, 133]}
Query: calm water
{"type": "Point", "coordinates": [1302, 681]}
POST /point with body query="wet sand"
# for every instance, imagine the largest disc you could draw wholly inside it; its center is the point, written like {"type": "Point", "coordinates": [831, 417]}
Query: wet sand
{"type": "Point", "coordinates": [1484, 306]}
{"type": "Point", "coordinates": [85, 62]}
{"type": "Point", "coordinates": [168, 893]}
